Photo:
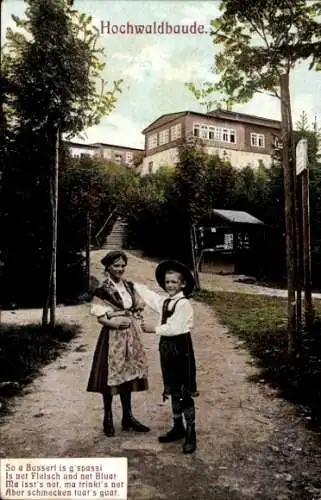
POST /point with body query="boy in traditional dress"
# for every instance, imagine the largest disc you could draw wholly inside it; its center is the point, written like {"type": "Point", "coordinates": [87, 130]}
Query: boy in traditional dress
{"type": "Point", "coordinates": [175, 346]}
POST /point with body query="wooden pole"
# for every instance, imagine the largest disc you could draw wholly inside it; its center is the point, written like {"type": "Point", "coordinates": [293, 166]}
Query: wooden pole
{"type": "Point", "coordinates": [308, 306]}
{"type": "Point", "coordinates": [2, 124]}
{"type": "Point", "coordinates": [288, 212]}
{"type": "Point", "coordinates": [299, 262]}
{"type": "Point", "coordinates": [297, 214]}
{"type": "Point", "coordinates": [195, 269]}
{"type": "Point", "coordinates": [88, 243]}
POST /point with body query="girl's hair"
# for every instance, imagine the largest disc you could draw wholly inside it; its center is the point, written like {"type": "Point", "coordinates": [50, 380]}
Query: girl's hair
{"type": "Point", "coordinates": [112, 256]}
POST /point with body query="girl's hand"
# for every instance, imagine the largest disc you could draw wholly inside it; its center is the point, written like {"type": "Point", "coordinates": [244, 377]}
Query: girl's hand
{"type": "Point", "coordinates": [148, 326]}
{"type": "Point", "coordinates": [121, 322]}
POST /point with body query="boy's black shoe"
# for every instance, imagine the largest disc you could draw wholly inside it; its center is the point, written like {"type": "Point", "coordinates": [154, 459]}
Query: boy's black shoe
{"type": "Point", "coordinates": [190, 439]}
{"type": "Point", "coordinates": [177, 433]}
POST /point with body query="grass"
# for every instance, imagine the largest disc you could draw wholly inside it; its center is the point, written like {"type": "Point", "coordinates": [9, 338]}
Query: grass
{"type": "Point", "coordinates": [261, 322]}
{"type": "Point", "coordinates": [24, 349]}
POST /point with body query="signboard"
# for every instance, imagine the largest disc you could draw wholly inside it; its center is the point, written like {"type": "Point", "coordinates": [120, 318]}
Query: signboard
{"type": "Point", "coordinates": [301, 156]}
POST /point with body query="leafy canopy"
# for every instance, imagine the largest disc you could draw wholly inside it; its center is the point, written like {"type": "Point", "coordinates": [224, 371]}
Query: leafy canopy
{"type": "Point", "coordinates": [260, 42]}
{"type": "Point", "coordinates": [53, 64]}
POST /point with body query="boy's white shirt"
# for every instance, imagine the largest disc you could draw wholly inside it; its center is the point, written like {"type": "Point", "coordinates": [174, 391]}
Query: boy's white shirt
{"type": "Point", "coordinates": [182, 319]}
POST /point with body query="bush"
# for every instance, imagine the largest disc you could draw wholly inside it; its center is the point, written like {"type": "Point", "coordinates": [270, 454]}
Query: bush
{"type": "Point", "coordinates": [24, 349]}
{"type": "Point", "coordinates": [86, 186]}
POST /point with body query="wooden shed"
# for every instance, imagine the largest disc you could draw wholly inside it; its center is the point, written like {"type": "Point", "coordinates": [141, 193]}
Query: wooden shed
{"type": "Point", "coordinates": [229, 242]}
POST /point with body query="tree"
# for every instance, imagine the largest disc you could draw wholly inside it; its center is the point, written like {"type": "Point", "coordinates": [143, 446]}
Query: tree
{"type": "Point", "coordinates": [189, 178]}
{"type": "Point", "coordinates": [202, 95]}
{"type": "Point", "coordinates": [302, 125]}
{"type": "Point", "coordinates": [220, 181]}
{"type": "Point", "coordinates": [262, 42]}
{"type": "Point", "coordinates": [138, 159]}
{"type": "Point", "coordinates": [55, 66]}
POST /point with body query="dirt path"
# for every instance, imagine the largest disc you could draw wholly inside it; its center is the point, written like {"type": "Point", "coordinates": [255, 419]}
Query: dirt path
{"type": "Point", "coordinates": [250, 443]}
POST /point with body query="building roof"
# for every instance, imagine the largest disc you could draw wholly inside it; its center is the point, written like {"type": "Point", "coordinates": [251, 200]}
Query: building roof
{"type": "Point", "coordinates": [244, 117]}
{"type": "Point", "coordinates": [97, 145]}
{"type": "Point", "coordinates": [237, 216]}
{"type": "Point", "coordinates": [80, 145]}
{"type": "Point", "coordinates": [221, 114]}
{"type": "Point", "coordinates": [163, 119]}
{"type": "Point", "coordinates": [103, 144]}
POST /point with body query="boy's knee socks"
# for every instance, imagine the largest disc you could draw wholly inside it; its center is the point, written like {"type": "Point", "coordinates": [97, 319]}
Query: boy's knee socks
{"type": "Point", "coordinates": [177, 408]}
{"type": "Point", "coordinates": [189, 410]}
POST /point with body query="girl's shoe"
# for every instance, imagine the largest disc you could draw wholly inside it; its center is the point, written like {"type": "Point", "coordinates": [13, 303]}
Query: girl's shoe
{"type": "Point", "coordinates": [129, 422]}
{"type": "Point", "coordinates": [109, 430]}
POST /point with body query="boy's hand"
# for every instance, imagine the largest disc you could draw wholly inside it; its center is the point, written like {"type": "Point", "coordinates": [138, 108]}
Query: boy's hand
{"type": "Point", "coordinates": [148, 326]}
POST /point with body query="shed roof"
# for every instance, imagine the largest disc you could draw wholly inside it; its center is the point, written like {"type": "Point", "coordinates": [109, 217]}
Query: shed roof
{"type": "Point", "coordinates": [237, 216]}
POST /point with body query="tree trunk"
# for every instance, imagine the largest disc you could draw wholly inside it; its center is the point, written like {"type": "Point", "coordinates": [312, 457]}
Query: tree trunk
{"type": "Point", "coordinates": [47, 303]}
{"type": "Point", "coordinates": [45, 309]}
{"type": "Point", "coordinates": [289, 213]}
{"type": "Point", "coordinates": [54, 208]}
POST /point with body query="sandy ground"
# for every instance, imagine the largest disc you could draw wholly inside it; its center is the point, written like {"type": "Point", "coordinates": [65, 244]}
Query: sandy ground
{"type": "Point", "coordinates": [251, 444]}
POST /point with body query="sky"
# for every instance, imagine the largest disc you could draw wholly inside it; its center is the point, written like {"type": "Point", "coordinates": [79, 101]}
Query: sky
{"type": "Point", "coordinates": [155, 67]}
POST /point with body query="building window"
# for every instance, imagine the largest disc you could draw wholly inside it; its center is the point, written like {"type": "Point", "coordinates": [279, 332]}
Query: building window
{"type": "Point", "coordinates": [211, 133]}
{"type": "Point", "coordinates": [225, 135]}
{"type": "Point", "coordinates": [214, 133]}
{"type": "Point", "coordinates": [257, 140]}
{"type": "Point", "coordinates": [229, 135]}
{"type": "Point", "coordinates": [163, 137]}
{"type": "Point", "coordinates": [228, 241]}
{"type": "Point", "coordinates": [150, 167]}
{"type": "Point", "coordinates": [129, 158]}
{"type": "Point", "coordinates": [152, 141]}
{"type": "Point", "coordinates": [176, 132]}
{"type": "Point", "coordinates": [204, 131]}
{"type": "Point", "coordinates": [196, 130]}
{"type": "Point", "coordinates": [243, 241]}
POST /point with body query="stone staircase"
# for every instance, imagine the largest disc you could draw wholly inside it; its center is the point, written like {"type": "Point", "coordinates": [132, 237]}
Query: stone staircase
{"type": "Point", "coordinates": [116, 238]}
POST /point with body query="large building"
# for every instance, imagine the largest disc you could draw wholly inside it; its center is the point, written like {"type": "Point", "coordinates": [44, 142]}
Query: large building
{"type": "Point", "coordinates": [242, 139]}
{"type": "Point", "coordinates": [122, 155]}
{"type": "Point", "coordinates": [77, 150]}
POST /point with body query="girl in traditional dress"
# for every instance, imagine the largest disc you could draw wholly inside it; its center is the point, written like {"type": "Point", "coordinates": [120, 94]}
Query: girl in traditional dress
{"type": "Point", "coordinates": [119, 363]}
{"type": "Point", "coordinates": [175, 346]}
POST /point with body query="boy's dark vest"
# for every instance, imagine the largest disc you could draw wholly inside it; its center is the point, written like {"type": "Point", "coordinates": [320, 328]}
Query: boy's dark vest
{"type": "Point", "coordinates": [166, 313]}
